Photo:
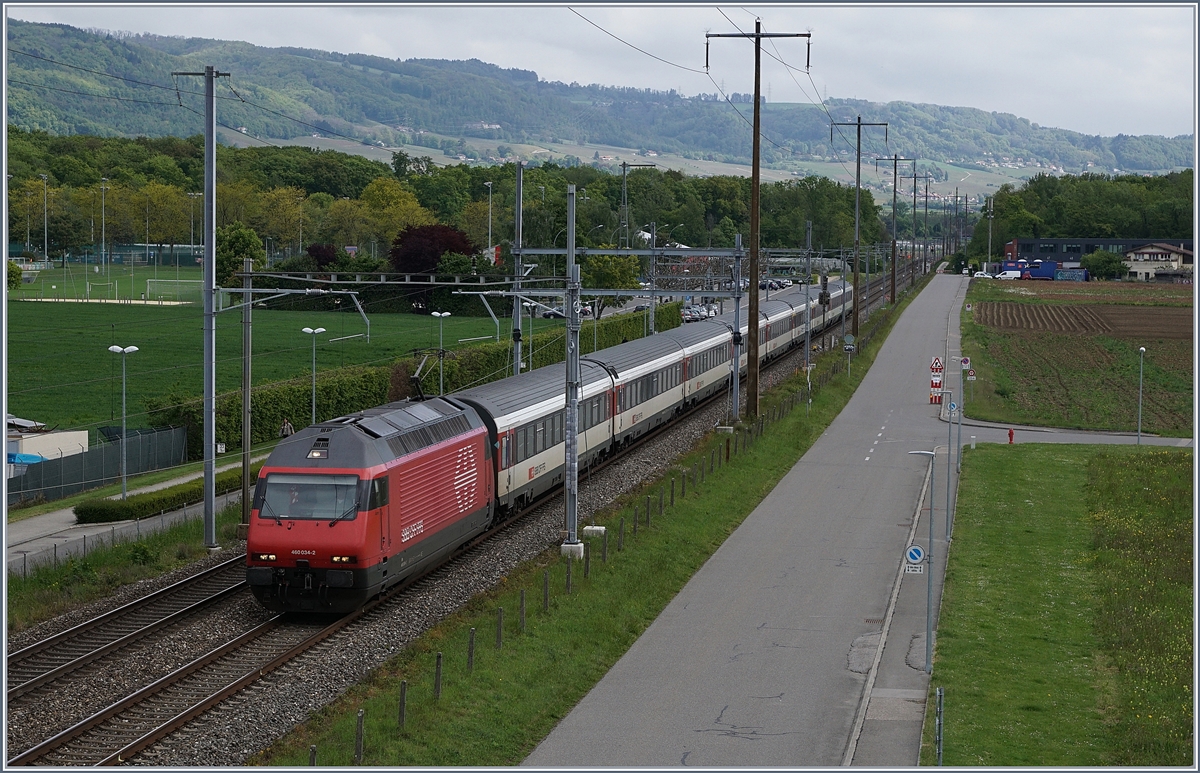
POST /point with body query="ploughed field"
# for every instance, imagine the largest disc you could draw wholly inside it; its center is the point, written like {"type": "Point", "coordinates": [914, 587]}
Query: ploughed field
{"type": "Point", "coordinates": [1065, 354]}
{"type": "Point", "coordinates": [1135, 322]}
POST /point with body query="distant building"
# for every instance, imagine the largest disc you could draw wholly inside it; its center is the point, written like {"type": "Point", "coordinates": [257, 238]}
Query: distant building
{"type": "Point", "coordinates": [1159, 261]}
{"type": "Point", "coordinates": [1068, 252]}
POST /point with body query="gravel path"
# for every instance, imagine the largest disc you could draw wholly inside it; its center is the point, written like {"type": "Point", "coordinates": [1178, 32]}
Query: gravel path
{"type": "Point", "coordinates": [252, 720]}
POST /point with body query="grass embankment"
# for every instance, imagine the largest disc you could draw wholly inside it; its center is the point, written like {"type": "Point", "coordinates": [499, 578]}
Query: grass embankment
{"type": "Point", "coordinates": [1065, 629]}
{"type": "Point", "coordinates": [52, 590]}
{"type": "Point", "coordinates": [1077, 381]}
{"type": "Point", "coordinates": [496, 714]}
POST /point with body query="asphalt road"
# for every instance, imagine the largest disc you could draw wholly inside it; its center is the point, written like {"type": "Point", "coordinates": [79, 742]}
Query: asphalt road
{"type": "Point", "coordinates": [770, 655]}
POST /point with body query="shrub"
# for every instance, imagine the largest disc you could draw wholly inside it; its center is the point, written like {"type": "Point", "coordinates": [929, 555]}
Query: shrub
{"type": "Point", "coordinates": [154, 502]}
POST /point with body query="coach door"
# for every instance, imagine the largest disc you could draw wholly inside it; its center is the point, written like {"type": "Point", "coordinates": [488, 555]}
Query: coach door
{"type": "Point", "coordinates": [380, 501]}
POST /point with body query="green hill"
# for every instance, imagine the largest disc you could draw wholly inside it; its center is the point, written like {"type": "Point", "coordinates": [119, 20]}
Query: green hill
{"type": "Point", "coordinates": [83, 83]}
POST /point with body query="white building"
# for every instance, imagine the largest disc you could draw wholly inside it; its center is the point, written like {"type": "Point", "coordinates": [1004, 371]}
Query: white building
{"type": "Point", "coordinates": [1145, 261]}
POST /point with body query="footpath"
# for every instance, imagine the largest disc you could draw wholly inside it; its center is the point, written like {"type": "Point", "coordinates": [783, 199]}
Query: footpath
{"type": "Point", "coordinates": [54, 536]}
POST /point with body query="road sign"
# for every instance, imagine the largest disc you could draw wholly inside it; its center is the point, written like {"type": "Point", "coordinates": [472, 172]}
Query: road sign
{"type": "Point", "coordinates": [968, 307]}
{"type": "Point", "coordinates": [848, 338]}
{"type": "Point", "coordinates": [915, 554]}
{"type": "Point", "coordinates": [970, 375]}
{"type": "Point", "coordinates": [937, 364]}
{"type": "Point", "coordinates": [953, 406]}
{"type": "Point", "coordinates": [966, 362]}
{"type": "Point", "coordinates": [914, 568]}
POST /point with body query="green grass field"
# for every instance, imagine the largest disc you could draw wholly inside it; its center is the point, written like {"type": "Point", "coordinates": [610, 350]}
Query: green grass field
{"type": "Point", "coordinates": [61, 372]}
{"type": "Point", "coordinates": [1065, 630]}
{"type": "Point", "coordinates": [1078, 381]}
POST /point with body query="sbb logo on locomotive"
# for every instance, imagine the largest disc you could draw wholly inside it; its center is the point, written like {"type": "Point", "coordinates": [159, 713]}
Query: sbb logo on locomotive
{"type": "Point", "coordinates": [537, 470]}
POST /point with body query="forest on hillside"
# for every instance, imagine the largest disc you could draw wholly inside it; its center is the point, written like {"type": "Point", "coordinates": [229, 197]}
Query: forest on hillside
{"type": "Point", "coordinates": [64, 81]}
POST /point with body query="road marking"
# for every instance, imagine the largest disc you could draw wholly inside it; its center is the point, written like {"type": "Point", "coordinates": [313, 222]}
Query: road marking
{"type": "Point", "coordinates": [875, 443]}
{"type": "Point", "coordinates": [867, 459]}
{"type": "Point", "coordinates": [879, 435]}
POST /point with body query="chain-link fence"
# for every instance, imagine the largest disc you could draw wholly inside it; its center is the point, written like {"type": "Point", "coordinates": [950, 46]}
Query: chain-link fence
{"type": "Point", "coordinates": [99, 465]}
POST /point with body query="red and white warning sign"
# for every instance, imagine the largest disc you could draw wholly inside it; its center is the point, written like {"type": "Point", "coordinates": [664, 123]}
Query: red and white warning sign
{"type": "Point", "coordinates": [936, 367]}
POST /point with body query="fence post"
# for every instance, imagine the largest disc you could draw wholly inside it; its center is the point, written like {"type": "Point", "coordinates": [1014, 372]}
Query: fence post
{"type": "Point", "coordinates": [647, 511]}
{"type": "Point", "coordinates": [437, 678]}
{"type": "Point", "coordinates": [672, 491]}
{"type": "Point", "coordinates": [358, 739]}
{"type": "Point", "coordinates": [568, 575]}
{"type": "Point", "coordinates": [312, 756]}
{"type": "Point", "coordinates": [403, 703]}
{"type": "Point", "coordinates": [621, 536]}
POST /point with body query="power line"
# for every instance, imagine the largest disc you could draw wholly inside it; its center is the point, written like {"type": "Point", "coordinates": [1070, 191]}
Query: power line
{"type": "Point", "coordinates": [86, 94]}
{"type": "Point", "coordinates": [635, 48]}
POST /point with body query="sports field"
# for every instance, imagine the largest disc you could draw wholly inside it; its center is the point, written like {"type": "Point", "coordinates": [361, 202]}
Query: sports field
{"type": "Point", "coordinates": [61, 372]}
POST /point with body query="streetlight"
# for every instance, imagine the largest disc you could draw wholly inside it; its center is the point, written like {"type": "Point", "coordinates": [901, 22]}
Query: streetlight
{"type": "Point", "coordinates": [314, 333]}
{"type": "Point", "coordinates": [123, 351]}
{"type": "Point", "coordinates": [491, 255]}
{"type": "Point", "coordinates": [1141, 370]}
{"type": "Point", "coordinates": [46, 220]}
{"type": "Point", "coordinates": [192, 215]}
{"type": "Point", "coordinates": [103, 236]}
{"type": "Point", "coordinates": [929, 561]}
{"type": "Point", "coordinates": [441, 315]}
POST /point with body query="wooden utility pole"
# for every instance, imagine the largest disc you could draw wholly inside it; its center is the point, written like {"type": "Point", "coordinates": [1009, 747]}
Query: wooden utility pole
{"type": "Point", "coordinates": [752, 327]}
{"type": "Point", "coordinates": [858, 302]}
{"type": "Point", "coordinates": [895, 186]}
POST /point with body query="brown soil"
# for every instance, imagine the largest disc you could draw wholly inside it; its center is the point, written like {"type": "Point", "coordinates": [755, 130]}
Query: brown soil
{"type": "Point", "coordinates": [1141, 322]}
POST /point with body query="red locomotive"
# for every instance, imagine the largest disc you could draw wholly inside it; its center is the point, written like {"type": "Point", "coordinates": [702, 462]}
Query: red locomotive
{"type": "Point", "coordinates": [347, 508]}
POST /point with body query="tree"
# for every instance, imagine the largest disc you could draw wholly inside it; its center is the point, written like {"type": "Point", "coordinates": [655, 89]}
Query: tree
{"type": "Point", "coordinates": [419, 250]}
{"type": "Point", "coordinates": [235, 243]}
{"type": "Point", "coordinates": [14, 276]}
{"type": "Point", "coordinates": [1103, 264]}
{"type": "Point", "coordinates": [404, 165]}
{"type": "Point", "coordinates": [612, 272]}
{"type": "Point", "coordinates": [389, 208]}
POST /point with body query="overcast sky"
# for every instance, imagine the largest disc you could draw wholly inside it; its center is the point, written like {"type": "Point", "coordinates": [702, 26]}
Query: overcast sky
{"type": "Point", "coordinates": [1100, 69]}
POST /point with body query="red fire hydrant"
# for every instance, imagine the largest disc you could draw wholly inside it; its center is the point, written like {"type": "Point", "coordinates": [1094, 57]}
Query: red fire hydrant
{"type": "Point", "coordinates": [1010, 436]}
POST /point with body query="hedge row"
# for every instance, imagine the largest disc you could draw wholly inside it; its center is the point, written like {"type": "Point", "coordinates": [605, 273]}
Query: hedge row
{"type": "Point", "coordinates": [347, 390]}
{"type": "Point", "coordinates": [155, 502]}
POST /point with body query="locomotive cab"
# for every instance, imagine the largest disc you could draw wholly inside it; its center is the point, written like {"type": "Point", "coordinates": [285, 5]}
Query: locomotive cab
{"type": "Point", "coordinates": [309, 538]}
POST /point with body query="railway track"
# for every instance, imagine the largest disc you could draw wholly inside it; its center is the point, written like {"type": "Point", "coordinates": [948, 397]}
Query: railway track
{"type": "Point", "coordinates": [37, 665]}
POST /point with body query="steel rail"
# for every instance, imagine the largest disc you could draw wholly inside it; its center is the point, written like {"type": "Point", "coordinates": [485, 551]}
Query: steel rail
{"type": "Point", "coordinates": [27, 668]}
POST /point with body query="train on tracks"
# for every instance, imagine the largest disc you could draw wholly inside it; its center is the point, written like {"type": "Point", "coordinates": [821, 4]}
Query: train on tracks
{"type": "Point", "coordinates": [347, 508]}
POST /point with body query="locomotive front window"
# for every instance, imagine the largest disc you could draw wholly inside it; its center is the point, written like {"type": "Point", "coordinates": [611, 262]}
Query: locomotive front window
{"type": "Point", "coordinates": [310, 497]}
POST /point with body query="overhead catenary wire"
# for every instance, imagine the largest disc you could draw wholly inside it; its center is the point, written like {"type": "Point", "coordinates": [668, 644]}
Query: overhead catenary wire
{"type": "Point", "coordinates": [86, 94]}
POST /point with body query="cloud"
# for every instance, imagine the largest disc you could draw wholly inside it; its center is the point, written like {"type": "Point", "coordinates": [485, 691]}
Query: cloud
{"type": "Point", "coordinates": [1093, 69]}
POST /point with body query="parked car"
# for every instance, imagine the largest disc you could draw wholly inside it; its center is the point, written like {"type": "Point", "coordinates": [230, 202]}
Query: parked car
{"type": "Point", "coordinates": [642, 307]}
{"type": "Point", "coordinates": [982, 275]}
{"type": "Point", "coordinates": [554, 314]}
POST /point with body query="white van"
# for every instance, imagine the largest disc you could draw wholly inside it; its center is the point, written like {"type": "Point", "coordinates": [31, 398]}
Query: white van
{"type": "Point", "coordinates": [1010, 274]}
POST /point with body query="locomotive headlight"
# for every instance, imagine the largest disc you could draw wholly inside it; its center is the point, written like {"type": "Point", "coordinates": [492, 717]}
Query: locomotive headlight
{"type": "Point", "coordinates": [264, 556]}
{"type": "Point", "coordinates": [345, 559]}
